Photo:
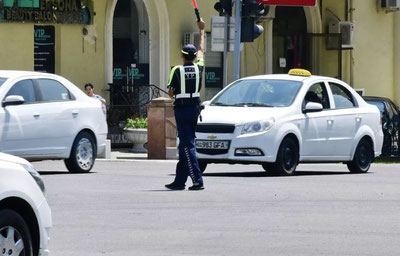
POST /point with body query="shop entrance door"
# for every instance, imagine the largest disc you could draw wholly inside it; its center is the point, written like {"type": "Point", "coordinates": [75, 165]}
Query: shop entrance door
{"type": "Point", "coordinates": [130, 90]}
{"type": "Point", "coordinates": [294, 47]}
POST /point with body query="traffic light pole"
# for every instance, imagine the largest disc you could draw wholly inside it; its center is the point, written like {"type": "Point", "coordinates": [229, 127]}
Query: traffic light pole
{"type": "Point", "coordinates": [226, 48]}
{"type": "Point", "coordinates": [238, 22]}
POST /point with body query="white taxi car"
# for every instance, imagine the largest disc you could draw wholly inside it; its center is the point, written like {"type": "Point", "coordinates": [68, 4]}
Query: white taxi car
{"type": "Point", "coordinates": [25, 216]}
{"type": "Point", "coordinates": [45, 116]}
{"type": "Point", "coordinates": [280, 120]}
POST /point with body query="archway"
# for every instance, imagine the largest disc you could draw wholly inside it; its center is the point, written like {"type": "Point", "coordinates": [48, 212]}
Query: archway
{"type": "Point", "coordinates": [310, 23]}
{"type": "Point", "coordinates": [158, 41]}
{"type": "Point", "coordinates": [146, 42]}
{"type": "Point", "coordinates": [289, 35]}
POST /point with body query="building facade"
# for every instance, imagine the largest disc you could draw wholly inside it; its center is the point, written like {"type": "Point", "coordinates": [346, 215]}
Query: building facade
{"type": "Point", "coordinates": [108, 42]}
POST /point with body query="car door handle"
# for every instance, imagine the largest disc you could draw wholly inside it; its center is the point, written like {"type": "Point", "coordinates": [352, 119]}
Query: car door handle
{"type": "Point", "coordinates": [330, 121]}
{"type": "Point", "coordinates": [75, 113]}
{"type": "Point", "coordinates": [36, 115]}
{"type": "Point", "coordinates": [358, 119]}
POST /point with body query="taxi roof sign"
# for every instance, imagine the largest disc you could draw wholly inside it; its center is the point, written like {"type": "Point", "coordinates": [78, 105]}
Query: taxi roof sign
{"type": "Point", "coordinates": [299, 72]}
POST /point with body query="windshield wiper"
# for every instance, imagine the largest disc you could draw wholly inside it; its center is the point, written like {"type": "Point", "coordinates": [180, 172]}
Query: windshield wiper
{"type": "Point", "coordinates": [250, 104]}
{"type": "Point", "coordinates": [219, 104]}
{"type": "Point", "coordinates": [258, 105]}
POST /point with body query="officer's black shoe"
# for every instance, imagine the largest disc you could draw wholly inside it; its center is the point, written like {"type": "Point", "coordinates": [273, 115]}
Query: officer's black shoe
{"type": "Point", "coordinates": [174, 186]}
{"type": "Point", "coordinates": [197, 186]}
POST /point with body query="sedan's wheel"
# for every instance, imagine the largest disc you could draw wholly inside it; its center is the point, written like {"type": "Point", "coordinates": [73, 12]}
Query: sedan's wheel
{"type": "Point", "coordinates": [202, 166]}
{"type": "Point", "coordinates": [287, 158]}
{"type": "Point", "coordinates": [83, 154]}
{"type": "Point", "coordinates": [362, 158]}
{"type": "Point", "coordinates": [15, 238]}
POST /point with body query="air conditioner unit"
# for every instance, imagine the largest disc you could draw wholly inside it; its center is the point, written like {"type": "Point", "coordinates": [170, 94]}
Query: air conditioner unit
{"type": "Point", "coordinates": [194, 38]}
{"type": "Point", "coordinates": [360, 91]}
{"type": "Point", "coordinates": [390, 5]}
{"type": "Point", "coordinates": [346, 29]}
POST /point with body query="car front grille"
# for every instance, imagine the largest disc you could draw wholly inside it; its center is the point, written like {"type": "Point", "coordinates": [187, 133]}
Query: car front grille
{"type": "Point", "coordinates": [212, 151]}
{"type": "Point", "coordinates": [215, 128]}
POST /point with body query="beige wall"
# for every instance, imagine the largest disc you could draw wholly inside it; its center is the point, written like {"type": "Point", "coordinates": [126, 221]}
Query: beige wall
{"type": "Point", "coordinates": [77, 64]}
{"type": "Point", "coordinates": [16, 43]}
{"type": "Point", "coordinates": [81, 58]}
{"type": "Point", "coordinates": [373, 53]}
{"type": "Point", "coordinates": [370, 65]}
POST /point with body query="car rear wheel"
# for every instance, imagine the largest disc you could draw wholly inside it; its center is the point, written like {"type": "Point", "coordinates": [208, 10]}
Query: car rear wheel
{"type": "Point", "coordinates": [15, 238]}
{"type": "Point", "coordinates": [362, 158]}
{"type": "Point", "coordinates": [287, 158]}
{"type": "Point", "coordinates": [202, 166]}
{"type": "Point", "coordinates": [83, 154]}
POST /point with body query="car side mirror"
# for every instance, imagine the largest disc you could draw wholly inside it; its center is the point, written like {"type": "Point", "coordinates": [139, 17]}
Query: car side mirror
{"type": "Point", "coordinates": [312, 107]}
{"type": "Point", "coordinates": [13, 100]}
{"type": "Point", "coordinates": [204, 104]}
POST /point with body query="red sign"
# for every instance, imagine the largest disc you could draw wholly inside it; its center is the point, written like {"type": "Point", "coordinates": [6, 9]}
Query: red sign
{"type": "Point", "coordinates": [289, 2]}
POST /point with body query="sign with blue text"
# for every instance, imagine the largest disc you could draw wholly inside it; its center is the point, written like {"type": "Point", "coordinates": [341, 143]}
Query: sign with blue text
{"type": "Point", "coordinates": [44, 54]}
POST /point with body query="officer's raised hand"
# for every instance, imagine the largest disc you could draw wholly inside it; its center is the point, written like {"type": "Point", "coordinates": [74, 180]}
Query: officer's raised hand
{"type": "Point", "coordinates": [201, 24]}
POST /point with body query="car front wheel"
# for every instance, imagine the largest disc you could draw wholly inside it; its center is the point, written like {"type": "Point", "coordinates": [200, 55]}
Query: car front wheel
{"type": "Point", "coordinates": [362, 158]}
{"type": "Point", "coordinates": [15, 238]}
{"type": "Point", "coordinates": [287, 158]}
{"type": "Point", "coordinates": [83, 154]}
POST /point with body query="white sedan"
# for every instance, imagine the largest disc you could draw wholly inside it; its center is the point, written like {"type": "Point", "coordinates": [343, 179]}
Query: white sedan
{"type": "Point", "coordinates": [45, 116]}
{"type": "Point", "coordinates": [25, 216]}
{"type": "Point", "coordinates": [280, 120]}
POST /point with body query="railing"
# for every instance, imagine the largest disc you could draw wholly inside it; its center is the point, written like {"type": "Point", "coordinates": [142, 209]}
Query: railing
{"type": "Point", "coordinates": [128, 101]}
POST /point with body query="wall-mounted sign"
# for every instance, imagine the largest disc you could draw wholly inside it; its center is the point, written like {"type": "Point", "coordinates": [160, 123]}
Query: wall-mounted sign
{"type": "Point", "coordinates": [214, 77]}
{"type": "Point", "coordinates": [289, 2]}
{"type": "Point", "coordinates": [46, 11]}
{"type": "Point", "coordinates": [44, 57]}
{"type": "Point", "coordinates": [137, 74]}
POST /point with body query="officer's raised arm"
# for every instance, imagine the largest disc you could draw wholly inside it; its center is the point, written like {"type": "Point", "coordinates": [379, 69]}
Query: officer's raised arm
{"type": "Point", "coordinates": [201, 24]}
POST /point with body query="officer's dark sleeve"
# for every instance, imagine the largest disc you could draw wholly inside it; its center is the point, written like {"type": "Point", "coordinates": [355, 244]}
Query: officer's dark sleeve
{"type": "Point", "coordinates": [173, 79]}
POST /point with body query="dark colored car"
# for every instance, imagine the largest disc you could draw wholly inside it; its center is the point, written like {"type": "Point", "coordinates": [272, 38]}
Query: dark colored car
{"type": "Point", "coordinates": [390, 124]}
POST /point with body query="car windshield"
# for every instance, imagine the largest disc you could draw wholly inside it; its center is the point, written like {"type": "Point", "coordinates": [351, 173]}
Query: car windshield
{"type": "Point", "coordinates": [259, 93]}
{"type": "Point", "coordinates": [2, 80]}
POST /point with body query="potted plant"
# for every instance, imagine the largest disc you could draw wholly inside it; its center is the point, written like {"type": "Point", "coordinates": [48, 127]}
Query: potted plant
{"type": "Point", "coordinates": [135, 131]}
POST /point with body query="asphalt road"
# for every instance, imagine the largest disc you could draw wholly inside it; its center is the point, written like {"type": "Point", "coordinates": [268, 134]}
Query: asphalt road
{"type": "Point", "coordinates": [122, 208]}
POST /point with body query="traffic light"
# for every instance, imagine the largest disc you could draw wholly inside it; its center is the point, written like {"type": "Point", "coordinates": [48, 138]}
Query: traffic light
{"type": "Point", "coordinates": [251, 12]}
{"type": "Point", "coordinates": [224, 7]}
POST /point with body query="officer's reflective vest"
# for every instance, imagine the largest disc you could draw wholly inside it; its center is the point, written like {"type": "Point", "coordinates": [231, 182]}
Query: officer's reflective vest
{"type": "Point", "coordinates": [183, 93]}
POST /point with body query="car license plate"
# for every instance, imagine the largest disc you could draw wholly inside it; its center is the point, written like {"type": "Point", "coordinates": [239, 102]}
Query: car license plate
{"type": "Point", "coordinates": [212, 144]}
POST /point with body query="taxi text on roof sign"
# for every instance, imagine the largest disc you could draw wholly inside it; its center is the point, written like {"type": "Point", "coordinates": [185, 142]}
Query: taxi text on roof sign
{"type": "Point", "coordinates": [299, 72]}
{"type": "Point", "coordinates": [289, 2]}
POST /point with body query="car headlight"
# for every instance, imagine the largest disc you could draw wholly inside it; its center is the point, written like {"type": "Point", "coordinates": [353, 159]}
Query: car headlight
{"type": "Point", "coordinates": [36, 176]}
{"type": "Point", "coordinates": [258, 126]}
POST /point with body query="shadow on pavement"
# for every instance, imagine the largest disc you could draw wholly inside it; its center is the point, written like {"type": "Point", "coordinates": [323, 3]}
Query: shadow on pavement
{"type": "Point", "coordinates": [251, 174]}
{"type": "Point", "coordinates": [44, 173]}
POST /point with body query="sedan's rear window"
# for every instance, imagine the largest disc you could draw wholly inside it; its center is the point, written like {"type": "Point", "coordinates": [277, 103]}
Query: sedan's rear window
{"type": "Point", "coordinates": [2, 80]}
{"type": "Point", "coordinates": [259, 93]}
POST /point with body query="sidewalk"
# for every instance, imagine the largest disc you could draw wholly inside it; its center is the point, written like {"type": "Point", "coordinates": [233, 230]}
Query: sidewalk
{"type": "Point", "coordinates": [124, 153]}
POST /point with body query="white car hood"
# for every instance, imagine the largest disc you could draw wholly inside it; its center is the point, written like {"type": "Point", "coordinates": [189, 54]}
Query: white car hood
{"type": "Point", "coordinates": [238, 115]}
{"type": "Point", "coordinates": [13, 159]}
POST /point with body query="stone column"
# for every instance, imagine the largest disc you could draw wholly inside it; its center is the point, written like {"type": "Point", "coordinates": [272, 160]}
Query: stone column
{"type": "Point", "coordinates": [161, 128]}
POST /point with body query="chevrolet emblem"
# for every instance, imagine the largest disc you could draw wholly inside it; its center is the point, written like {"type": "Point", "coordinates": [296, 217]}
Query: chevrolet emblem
{"type": "Point", "coordinates": [212, 137]}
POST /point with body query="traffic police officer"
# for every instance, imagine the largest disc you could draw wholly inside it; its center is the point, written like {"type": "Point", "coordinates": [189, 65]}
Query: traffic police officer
{"type": "Point", "coordinates": [185, 84]}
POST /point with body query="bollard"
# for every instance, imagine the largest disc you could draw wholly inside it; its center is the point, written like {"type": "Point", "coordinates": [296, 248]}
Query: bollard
{"type": "Point", "coordinates": [161, 135]}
